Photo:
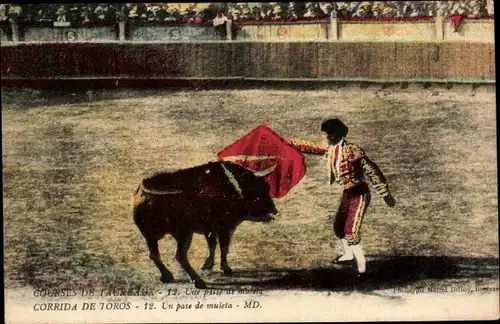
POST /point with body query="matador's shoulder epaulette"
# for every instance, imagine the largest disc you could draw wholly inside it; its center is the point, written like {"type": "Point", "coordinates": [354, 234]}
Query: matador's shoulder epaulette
{"type": "Point", "coordinates": [354, 152]}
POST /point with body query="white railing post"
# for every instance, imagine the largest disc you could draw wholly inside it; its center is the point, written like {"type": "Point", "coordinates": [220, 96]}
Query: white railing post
{"type": "Point", "coordinates": [15, 31]}
{"type": "Point", "coordinates": [229, 33]}
{"type": "Point", "coordinates": [439, 25]}
{"type": "Point", "coordinates": [333, 33]}
{"type": "Point", "coordinates": [490, 7]}
{"type": "Point", "coordinates": [121, 30]}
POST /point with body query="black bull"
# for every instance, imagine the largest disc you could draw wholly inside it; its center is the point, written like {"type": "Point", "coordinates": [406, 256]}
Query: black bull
{"type": "Point", "coordinates": [211, 199]}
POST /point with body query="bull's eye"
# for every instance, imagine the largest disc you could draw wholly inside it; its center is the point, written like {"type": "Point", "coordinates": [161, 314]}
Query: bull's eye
{"type": "Point", "coordinates": [207, 171]}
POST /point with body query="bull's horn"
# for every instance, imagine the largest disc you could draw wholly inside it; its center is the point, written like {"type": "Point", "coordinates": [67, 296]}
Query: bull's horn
{"type": "Point", "coordinates": [265, 172]}
{"type": "Point", "coordinates": [160, 192]}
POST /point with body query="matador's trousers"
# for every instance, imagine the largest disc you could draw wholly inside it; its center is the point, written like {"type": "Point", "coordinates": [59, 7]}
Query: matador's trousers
{"type": "Point", "coordinates": [347, 223]}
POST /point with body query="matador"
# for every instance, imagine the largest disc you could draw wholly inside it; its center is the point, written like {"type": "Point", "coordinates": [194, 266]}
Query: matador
{"type": "Point", "coordinates": [347, 165]}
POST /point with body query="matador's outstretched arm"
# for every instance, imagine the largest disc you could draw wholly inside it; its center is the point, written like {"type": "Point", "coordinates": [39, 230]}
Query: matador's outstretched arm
{"type": "Point", "coordinates": [308, 147]}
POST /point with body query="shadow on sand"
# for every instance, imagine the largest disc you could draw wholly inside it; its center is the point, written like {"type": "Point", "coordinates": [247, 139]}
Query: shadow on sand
{"type": "Point", "coordinates": [383, 273]}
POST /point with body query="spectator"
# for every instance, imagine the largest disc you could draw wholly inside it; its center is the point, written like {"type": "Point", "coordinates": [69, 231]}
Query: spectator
{"type": "Point", "coordinates": [3, 15]}
{"type": "Point", "coordinates": [125, 10]}
{"type": "Point", "coordinates": [300, 9]}
{"type": "Point", "coordinates": [342, 10]}
{"type": "Point", "coordinates": [415, 10]}
{"type": "Point", "coordinates": [220, 19]}
{"type": "Point", "coordinates": [292, 14]}
{"type": "Point", "coordinates": [73, 13]}
{"type": "Point", "coordinates": [482, 8]}
{"type": "Point", "coordinates": [14, 11]}
{"type": "Point", "coordinates": [246, 13]}
{"type": "Point", "coordinates": [47, 15]}
{"type": "Point", "coordinates": [61, 14]}
{"type": "Point", "coordinates": [265, 10]}
{"type": "Point", "coordinates": [160, 12]}
{"type": "Point", "coordinates": [256, 13]}
{"type": "Point", "coordinates": [235, 13]}
{"type": "Point", "coordinates": [99, 11]}
{"type": "Point", "coordinates": [428, 9]}
{"type": "Point", "coordinates": [378, 9]}
{"type": "Point", "coordinates": [277, 13]}
{"type": "Point", "coordinates": [91, 14]}
{"type": "Point", "coordinates": [133, 13]}
{"type": "Point", "coordinates": [150, 13]}
{"type": "Point", "coordinates": [326, 8]}
{"type": "Point", "coordinates": [310, 11]}
{"type": "Point", "coordinates": [353, 7]}
{"type": "Point", "coordinates": [76, 13]}
{"type": "Point", "coordinates": [206, 13]}
{"type": "Point", "coordinates": [390, 11]}
{"type": "Point", "coordinates": [219, 23]}
{"type": "Point", "coordinates": [189, 13]}
{"type": "Point", "coordinates": [364, 10]}
{"type": "Point", "coordinates": [142, 11]}
{"type": "Point", "coordinates": [318, 11]}
{"type": "Point", "coordinates": [172, 13]}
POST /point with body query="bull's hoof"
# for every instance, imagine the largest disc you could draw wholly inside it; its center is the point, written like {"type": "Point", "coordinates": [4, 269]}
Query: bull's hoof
{"type": "Point", "coordinates": [227, 271]}
{"type": "Point", "coordinates": [208, 265]}
{"type": "Point", "coordinates": [200, 284]}
{"type": "Point", "coordinates": [166, 278]}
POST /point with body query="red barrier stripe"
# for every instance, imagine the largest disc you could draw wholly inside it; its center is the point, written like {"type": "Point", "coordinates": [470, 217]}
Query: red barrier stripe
{"type": "Point", "coordinates": [163, 22]}
{"type": "Point", "coordinates": [253, 21]}
{"type": "Point", "coordinates": [387, 19]}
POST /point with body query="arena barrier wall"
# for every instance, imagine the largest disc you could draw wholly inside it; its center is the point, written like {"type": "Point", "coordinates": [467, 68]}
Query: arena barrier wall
{"type": "Point", "coordinates": [318, 29]}
{"type": "Point", "coordinates": [173, 33]}
{"type": "Point", "coordinates": [471, 29]}
{"type": "Point", "coordinates": [68, 34]}
{"type": "Point", "coordinates": [219, 60]}
{"type": "Point", "coordinates": [415, 30]}
{"type": "Point", "coordinates": [332, 29]}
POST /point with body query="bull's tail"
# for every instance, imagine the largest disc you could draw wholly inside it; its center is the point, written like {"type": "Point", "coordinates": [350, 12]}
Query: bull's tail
{"type": "Point", "coordinates": [138, 197]}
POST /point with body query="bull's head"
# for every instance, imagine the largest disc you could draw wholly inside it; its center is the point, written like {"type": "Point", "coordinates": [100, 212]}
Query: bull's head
{"type": "Point", "coordinates": [253, 189]}
{"type": "Point", "coordinates": [259, 205]}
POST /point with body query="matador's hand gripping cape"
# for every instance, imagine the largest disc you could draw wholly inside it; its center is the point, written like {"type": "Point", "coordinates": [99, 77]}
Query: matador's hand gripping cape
{"type": "Point", "coordinates": [262, 148]}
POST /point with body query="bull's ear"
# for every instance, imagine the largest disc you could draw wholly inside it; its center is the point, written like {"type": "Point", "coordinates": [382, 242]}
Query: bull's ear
{"type": "Point", "coordinates": [265, 172]}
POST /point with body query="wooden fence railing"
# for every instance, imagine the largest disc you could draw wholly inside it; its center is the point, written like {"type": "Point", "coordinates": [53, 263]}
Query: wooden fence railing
{"type": "Point", "coordinates": [270, 60]}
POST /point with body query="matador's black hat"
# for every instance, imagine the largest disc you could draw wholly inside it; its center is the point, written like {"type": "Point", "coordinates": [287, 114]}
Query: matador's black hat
{"type": "Point", "coordinates": [334, 127]}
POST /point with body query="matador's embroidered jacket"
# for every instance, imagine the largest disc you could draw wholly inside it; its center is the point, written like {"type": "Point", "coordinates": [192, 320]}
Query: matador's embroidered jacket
{"type": "Point", "coordinates": [347, 164]}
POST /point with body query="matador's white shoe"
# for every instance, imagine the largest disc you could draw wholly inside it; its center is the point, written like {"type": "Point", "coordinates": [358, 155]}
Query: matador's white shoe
{"type": "Point", "coordinates": [360, 257]}
{"type": "Point", "coordinates": [347, 256]}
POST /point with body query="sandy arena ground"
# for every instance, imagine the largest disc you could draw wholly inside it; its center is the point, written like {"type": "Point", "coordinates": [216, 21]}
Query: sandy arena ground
{"type": "Point", "coordinates": [70, 167]}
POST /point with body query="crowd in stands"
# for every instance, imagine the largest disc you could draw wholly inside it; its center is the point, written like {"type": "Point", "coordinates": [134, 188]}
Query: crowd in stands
{"type": "Point", "coordinates": [203, 12]}
{"type": "Point", "coordinates": [358, 9]}
{"type": "Point", "coordinates": [107, 12]}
